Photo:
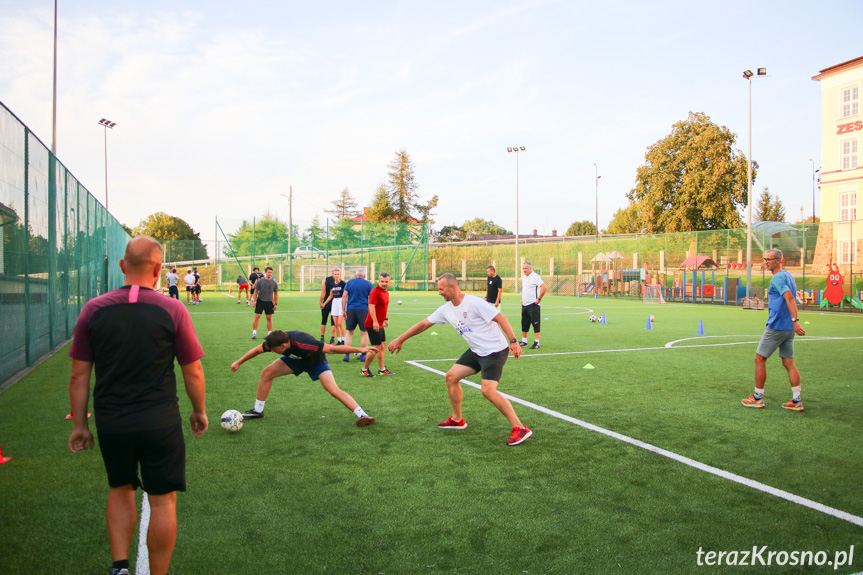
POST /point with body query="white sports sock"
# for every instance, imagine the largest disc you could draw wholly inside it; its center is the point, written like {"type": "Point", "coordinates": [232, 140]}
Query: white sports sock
{"type": "Point", "coordinates": [359, 412]}
{"type": "Point", "coordinates": [259, 405]}
{"type": "Point", "coordinates": [759, 392]}
{"type": "Point", "coordinates": [796, 392]}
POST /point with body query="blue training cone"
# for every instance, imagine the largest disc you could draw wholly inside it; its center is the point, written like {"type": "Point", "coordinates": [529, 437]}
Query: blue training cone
{"type": "Point", "coordinates": [595, 295]}
{"type": "Point", "coordinates": [700, 327]}
{"type": "Point", "coordinates": [602, 320]}
{"type": "Point", "coordinates": [649, 326]}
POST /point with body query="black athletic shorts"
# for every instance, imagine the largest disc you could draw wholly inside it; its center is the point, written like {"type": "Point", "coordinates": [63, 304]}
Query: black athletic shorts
{"type": "Point", "coordinates": [356, 318]}
{"type": "Point", "coordinates": [376, 337]}
{"type": "Point", "coordinates": [264, 307]}
{"type": "Point", "coordinates": [161, 454]}
{"type": "Point", "coordinates": [489, 367]}
{"type": "Point", "coordinates": [530, 316]}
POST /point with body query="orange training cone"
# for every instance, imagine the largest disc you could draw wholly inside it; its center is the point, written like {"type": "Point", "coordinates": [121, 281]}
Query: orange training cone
{"type": "Point", "coordinates": [3, 459]}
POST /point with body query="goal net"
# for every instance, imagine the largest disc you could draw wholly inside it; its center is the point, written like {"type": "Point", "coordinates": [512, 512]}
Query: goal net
{"type": "Point", "coordinates": [311, 276]}
{"type": "Point", "coordinates": [653, 293]}
{"type": "Point", "coordinates": [753, 303]}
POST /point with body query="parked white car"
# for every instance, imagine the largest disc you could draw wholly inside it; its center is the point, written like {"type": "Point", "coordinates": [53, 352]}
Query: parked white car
{"type": "Point", "coordinates": [308, 252]}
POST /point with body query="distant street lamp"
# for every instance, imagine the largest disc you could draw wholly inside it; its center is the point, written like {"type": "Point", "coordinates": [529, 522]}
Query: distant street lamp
{"type": "Point", "coordinates": [596, 177]}
{"type": "Point", "coordinates": [814, 171]}
{"type": "Point", "coordinates": [106, 124]}
{"type": "Point", "coordinates": [747, 75]}
{"type": "Point", "coordinates": [516, 150]}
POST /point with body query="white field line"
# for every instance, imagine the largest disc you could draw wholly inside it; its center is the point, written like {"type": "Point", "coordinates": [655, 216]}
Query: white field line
{"type": "Point", "coordinates": [669, 345]}
{"type": "Point", "coordinates": [838, 513]}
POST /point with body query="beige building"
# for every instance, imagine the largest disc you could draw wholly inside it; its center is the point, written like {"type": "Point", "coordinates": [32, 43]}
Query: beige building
{"type": "Point", "coordinates": [839, 237]}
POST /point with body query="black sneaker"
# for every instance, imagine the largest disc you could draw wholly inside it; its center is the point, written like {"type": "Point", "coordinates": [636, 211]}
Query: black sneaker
{"type": "Point", "coordinates": [123, 571]}
{"type": "Point", "coordinates": [252, 414]}
{"type": "Point", "coordinates": [367, 373]}
{"type": "Point", "coordinates": [322, 339]}
{"type": "Point", "coordinates": [535, 345]}
{"type": "Point", "coordinates": [522, 343]}
{"type": "Point", "coordinates": [332, 340]}
{"type": "Point", "coordinates": [385, 371]}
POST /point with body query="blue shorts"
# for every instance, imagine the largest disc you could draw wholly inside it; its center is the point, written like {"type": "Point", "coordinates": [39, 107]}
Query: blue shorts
{"type": "Point", "coordinates": [356, 318]}
{"type": "Point", "coordinates": [774, 339]}
{"type": "Point", "coordinates": [314, 372]}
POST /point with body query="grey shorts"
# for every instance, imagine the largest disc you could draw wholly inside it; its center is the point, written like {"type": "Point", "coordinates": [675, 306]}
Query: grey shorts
{"type": "Point", "coordinates": [774, 339]}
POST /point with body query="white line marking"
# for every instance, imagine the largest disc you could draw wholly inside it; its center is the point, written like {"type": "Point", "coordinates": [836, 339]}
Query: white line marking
{"type": "Point", "coordinates": [838, 513]}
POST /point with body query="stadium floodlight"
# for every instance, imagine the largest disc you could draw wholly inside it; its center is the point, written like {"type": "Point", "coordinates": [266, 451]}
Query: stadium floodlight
{"type": "Point", "coordinates": [517, 150]}
{"type": "Point", "coordinates": [106, 124]}
{"type": "Point", "coordinates": [747, 75]}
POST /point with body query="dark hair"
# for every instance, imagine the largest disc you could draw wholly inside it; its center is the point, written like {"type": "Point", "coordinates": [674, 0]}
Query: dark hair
{"type": "Point", "coordinates": [255, 269]}
{"type": "Point", "coordinates": [384, 275]}
{"type": "Point", "coordinates": [491, 268]}
{"type": "Point", "coordinates": [275, 338]}
{"type": "Point", "coordinates": [268, 269]}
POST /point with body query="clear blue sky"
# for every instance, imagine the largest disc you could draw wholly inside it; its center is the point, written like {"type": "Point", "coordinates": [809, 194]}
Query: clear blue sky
{"type": "Point", "coordinates": [221, 106]}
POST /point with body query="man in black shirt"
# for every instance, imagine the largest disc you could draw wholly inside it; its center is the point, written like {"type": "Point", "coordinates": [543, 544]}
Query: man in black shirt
{"type": "Point", "coordinates": [495, 287]}
{"type": "Point", "coordinates": [300, 352]}
{"type": "Point", "coordinates": [254, 277]}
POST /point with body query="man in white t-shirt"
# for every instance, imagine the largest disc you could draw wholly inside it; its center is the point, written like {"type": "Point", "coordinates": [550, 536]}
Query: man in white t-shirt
{"type": "Point", "coordinates": [190, 280]}
{"type": "Point", "coordinates": [532, 290]}
{"type": "Point", "coordinates": [480, 324]}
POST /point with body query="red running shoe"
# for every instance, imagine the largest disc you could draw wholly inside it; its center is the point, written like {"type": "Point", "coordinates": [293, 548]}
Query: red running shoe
{"type": "Point", "coordinates": [519, 435]}
{"type": "Point", "coordinates": [450, 423]}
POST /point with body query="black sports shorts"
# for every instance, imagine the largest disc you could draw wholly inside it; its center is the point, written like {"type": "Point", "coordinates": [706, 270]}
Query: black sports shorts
{"type": "Point", "coordinates": [356, 318]}
{"type": "Point", "coordinates": [376, 337]}
{"type": "Point", "coordinates": [325, 312]}
{"type": "Point", "coordinates": [263, 307]}
{"type": "Point", "coordinates": [160, 453]}
{"type": "Point", "coordinates": [489, 367]}
{"type": "Point", "coordinates": [530, 316]}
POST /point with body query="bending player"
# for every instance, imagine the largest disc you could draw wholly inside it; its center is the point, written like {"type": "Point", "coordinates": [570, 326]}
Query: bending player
{"type": "Point", "coordinates": [300, 352]}
{"type": "Point", "coordinates": [480, 324]}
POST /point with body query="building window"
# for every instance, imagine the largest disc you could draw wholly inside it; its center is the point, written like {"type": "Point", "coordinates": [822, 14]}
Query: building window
{"type": "Point", "coordinates": [847, 251]}
{"type": "Point", "coordinates": [848, 154]}
{"type": "Point", "coordinates": [850, 101]}
{"type": "Point", "coordinates": [848, 206]}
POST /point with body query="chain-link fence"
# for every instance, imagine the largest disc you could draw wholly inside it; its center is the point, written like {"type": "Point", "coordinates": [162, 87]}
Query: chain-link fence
{"type": "Point", "coordinates": [60, 247]}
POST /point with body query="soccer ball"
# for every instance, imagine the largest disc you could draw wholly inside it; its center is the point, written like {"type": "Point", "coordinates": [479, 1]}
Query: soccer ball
{"type": "Point", "coordinates": [652, 318]}
{"type": "Point", "coordinates": [232, 420]}
{"type": "Point", "coordinates": [592, 318]}
{"type": "Point", "coordinates": [399, 302]}
{"type": "Point", "coordinates": [358, 355]}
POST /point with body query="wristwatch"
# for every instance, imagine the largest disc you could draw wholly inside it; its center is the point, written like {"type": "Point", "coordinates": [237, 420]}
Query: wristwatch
{"type": "Point", "coordinates": [793, 319]}
{"type": "Point", "coordinates": [513, 340]}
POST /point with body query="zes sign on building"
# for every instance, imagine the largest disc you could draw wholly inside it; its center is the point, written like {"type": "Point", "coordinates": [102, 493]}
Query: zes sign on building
{"type": "Point", "coordinates": [839, 236]}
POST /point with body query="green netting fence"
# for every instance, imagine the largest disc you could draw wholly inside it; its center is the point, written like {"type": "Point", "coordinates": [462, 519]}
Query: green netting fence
{"type": "Point", "coordinates": [60, 248]}
{"type": "Point", "coordinates": [402, 250]}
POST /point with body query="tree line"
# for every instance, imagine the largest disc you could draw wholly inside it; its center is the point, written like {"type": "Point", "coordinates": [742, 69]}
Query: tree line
{"type": "Point", "coordinates": [692, 179]}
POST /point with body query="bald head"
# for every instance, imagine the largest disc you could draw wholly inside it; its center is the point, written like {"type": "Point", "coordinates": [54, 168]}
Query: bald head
{"type": "Point", "coordinates": [142, 253]}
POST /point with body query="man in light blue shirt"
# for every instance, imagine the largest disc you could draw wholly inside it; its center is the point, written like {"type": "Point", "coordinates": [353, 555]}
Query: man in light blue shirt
{"type": "Point", "coordinates": [356, 296]}
{"type": "Point", "coordinates": [782, 324]}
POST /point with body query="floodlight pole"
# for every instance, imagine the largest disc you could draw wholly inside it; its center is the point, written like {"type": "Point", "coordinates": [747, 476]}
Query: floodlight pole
{"type": "Point", "coordinates": [517, 150]}
{"type": "Point", "coordinates": [747, 75]}
{"type": "Point", "coordinates": [106, 124]}
{"type": "Point", "coordinates": [54, 103]}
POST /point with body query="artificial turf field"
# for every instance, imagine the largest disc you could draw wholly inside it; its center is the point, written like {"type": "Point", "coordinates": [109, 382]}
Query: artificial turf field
{"type": "Point", "coordinates": [306, 491]}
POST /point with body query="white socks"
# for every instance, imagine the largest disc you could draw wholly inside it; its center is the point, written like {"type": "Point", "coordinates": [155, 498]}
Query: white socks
{"type": "Point", "coordinates": [259, 405]}
{"type": "Point", "coordinates": [359, 412]}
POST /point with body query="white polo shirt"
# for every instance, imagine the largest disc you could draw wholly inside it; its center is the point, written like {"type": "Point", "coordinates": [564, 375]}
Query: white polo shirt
{"type": "Point", "coordinates": [472, 319]}
{"type": "Point", "coordinates": [189, 279]}
{"type": "Point", "coordinates": [530, 286]}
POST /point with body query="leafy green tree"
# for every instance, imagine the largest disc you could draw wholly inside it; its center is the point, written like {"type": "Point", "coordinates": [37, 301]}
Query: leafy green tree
{"type": "Point", "coordinates": [381, 210]}
{"type": "Point", "coordinates": [181, 241]}
{"type": "Point", "coordinates": [692, 179]}
{"type": "Point", "coordinates": [268, 235]}
{"type": "Point", "coordinates": [769, 208]}
{"type": "Point", "coordinates": [402, 186]}
{"type": "Point", "coordinates": [425, 210]}
{"type": "Point", "coordinates": [451, 233]}
{"type": "Point", "coordinates": [480, 227]}
{"type": "Point", "coordinates": [582, 228]}
{"type": "Point", "coordinates": [625, 221]}
{"type": "Point", "coordinates": [315, 235]}
{"type": "Point", "coordinates": [344, 207]}
{"type": "Point", "coordinates": [344, 236]}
